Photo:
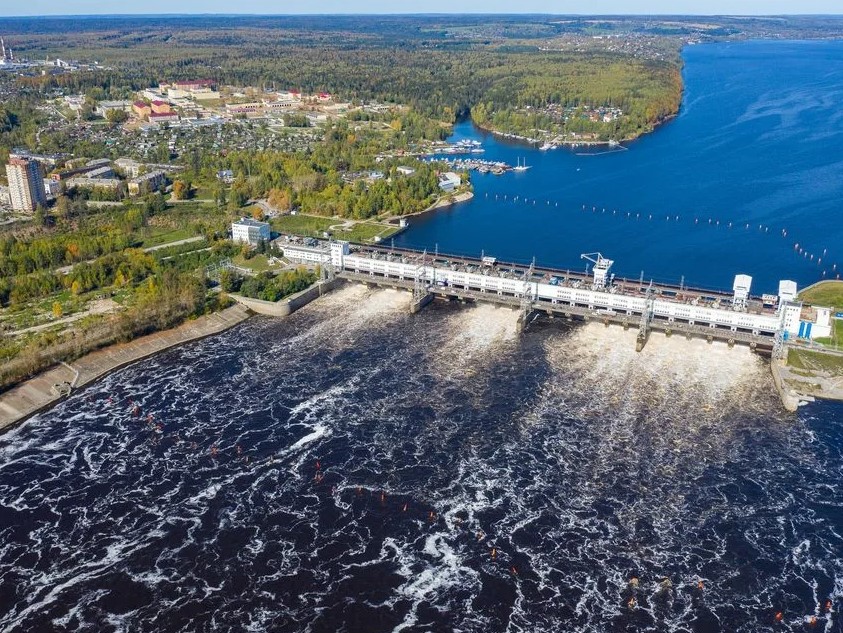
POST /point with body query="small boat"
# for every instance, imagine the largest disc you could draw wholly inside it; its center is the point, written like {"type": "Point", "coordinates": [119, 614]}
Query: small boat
{"type": "Point", "coordinates": [545, 147]}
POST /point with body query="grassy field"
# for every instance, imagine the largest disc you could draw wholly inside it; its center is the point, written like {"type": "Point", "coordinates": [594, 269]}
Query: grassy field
{"type": "Point", "coordinates": [814, 361]}
{"type": "Point", "coordinates": [836, 338]}
{"type": "Point", "coordinates": [826, 293]}
{"type": "Point", "coordinates": [258, 263]}
{"type": "Point", "coordinates": [310, 225]}
{"type": "Point", "coordinates": [314, 226]}
{"type": "Point", "coordinates": [366, 232]}
{"type": "Point", "coordinates": [155, 236]}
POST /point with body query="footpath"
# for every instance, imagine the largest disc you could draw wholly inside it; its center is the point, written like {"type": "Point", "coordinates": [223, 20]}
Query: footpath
{"type": "Point", "coordinates": [49, 387]}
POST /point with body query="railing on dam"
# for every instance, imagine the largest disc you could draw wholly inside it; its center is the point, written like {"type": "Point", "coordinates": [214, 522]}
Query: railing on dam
{"type": "Point", "coordinates": [566, 310]}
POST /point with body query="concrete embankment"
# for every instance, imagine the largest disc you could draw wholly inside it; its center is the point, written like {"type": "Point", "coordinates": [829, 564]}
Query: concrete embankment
{"type": "Point", "coordinates": [288, 305]}
{"type": "Point", "coordinates": [810, 374]}
{"type": "Point", "coordinates": [790, 399]}
{"type": "Point", "coordinates": [49, 387]}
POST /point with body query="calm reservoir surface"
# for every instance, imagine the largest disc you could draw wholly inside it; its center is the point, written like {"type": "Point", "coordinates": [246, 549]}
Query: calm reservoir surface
{"type": "Point", "coordinates": [759, 141]}
{"type": "Point", "coordinates": [355, 468]}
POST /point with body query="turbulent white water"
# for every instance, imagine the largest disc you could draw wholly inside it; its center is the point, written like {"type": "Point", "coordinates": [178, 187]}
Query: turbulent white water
{"type": "Point", "coordinates": [357, 468]}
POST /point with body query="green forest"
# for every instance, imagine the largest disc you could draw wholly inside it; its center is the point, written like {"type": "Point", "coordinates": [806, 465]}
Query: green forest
{"type": "Point", "coordinates": [443, 72]}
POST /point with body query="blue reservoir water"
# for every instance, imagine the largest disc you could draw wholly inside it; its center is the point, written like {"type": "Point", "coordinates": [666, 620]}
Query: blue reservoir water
{"type": "Point", "coordinates": [757, 142]}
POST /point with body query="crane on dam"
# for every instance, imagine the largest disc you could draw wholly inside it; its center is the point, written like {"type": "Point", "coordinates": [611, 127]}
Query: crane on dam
{"type": "Point", "coordinates": [602, 265]}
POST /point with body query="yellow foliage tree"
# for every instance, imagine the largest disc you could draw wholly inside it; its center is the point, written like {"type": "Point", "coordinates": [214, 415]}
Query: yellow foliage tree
{"type": "Point", "coordinates": [57, 311]}
{"type": "Point", "coordinates": [180, 190]}
{"type": "Point", "coordinates": [279, 198]}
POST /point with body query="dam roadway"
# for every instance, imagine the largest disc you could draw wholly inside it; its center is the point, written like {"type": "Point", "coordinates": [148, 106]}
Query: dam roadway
{"type": "Point", "coordinates": [536, 291]}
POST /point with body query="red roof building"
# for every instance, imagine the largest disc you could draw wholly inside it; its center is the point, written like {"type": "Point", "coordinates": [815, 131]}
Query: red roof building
{"type": "Point", "coordinates": [141, 108]}
{"type": "Point", "coordinates": [161, 107]}
{"type": "Point", "coordinates": [163, 117]}
{"type": "Point", "coordinates": [194, 84]}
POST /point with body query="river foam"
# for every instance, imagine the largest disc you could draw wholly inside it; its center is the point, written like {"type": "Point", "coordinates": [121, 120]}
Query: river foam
{"type": "Point", "coordinates": [351, 465]}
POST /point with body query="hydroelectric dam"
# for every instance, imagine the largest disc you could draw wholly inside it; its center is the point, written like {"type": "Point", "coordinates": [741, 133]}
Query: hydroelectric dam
{"type": "Point", "coordinates": [765, 323]}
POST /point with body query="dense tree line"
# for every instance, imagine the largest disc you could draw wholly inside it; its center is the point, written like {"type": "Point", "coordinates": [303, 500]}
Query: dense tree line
{"type": "Point", "coordinates": [23, 256]}
{"type": "Point", "coordinates": [440, 74]}
{"type": "Point", "coordinates": [267, 286]}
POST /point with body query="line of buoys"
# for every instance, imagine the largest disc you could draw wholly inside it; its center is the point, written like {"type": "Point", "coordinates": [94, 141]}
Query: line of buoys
{"type": "Point", "coordinates": [714, 222]}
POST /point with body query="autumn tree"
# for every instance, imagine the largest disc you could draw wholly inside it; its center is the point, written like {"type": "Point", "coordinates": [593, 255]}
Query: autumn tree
{"type": "Point", "coordinates": [180, 190]}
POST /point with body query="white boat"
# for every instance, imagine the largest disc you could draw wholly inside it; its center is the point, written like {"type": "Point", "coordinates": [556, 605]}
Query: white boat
{"type": "Point", "coordinates": [545, 147]}
{"type": "Point", "coordinates": [520, 167]}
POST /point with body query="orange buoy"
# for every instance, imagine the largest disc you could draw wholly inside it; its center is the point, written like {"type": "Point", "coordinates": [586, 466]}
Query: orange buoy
{"type": "Point", "coordinates": [828, 605]}
{"type": "Point", "coordinates": [513, 570]}
{"type": "Point", "coordinates": [700, 585]}
{"type": "Point", "coordinates": [779, 616]}
{"type": "Point", "coordinates": [494, 553]}
{"type": "Point", "coordinates": [631, 602]}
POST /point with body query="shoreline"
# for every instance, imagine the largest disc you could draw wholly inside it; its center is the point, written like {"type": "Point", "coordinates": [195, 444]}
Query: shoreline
{"type": "Point", "coordinates": [442, 203]}
{"type": "Point", "coordinates": [39, 393]}
{"type": "Point", "coordinates": [570, 144]}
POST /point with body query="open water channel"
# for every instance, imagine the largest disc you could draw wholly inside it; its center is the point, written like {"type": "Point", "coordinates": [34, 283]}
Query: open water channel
{"type": "Point", "coordinates": [756, 149]}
